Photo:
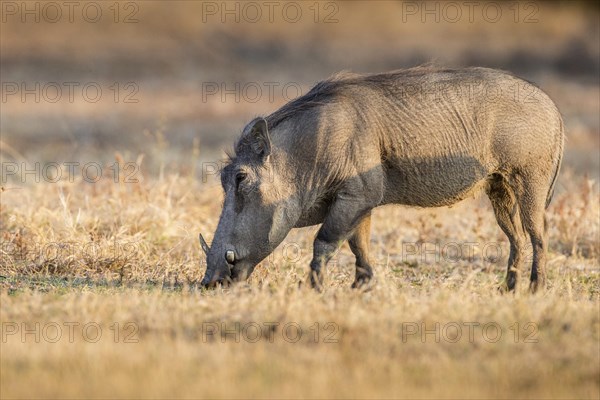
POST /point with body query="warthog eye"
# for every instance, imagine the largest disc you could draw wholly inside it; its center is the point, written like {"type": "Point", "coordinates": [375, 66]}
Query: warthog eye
{"type": "Point", "coordinates": [239, 177]}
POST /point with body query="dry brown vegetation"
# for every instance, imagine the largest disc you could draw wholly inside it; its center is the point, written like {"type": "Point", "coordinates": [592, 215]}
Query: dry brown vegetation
{"type": "Point", "coordinates": [128, 253]}
{"type": "Point", "coordinates": [118, 261]}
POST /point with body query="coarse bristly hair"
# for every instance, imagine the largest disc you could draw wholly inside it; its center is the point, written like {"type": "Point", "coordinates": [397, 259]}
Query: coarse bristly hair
{"type": "Point", "coordinates": [328, 89]}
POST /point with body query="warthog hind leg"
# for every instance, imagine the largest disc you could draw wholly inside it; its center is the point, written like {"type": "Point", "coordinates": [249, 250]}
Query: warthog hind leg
{"type": "Point", "coordinates": [507, 214]}
{"type": "Point", "coordinates": [359, 244]}
{"type": "Point", "coordinates": [531, 196]}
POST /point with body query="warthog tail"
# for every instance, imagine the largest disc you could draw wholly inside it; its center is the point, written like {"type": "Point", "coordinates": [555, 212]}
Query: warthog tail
{"type": "Point", "coordinates": [558, 164]}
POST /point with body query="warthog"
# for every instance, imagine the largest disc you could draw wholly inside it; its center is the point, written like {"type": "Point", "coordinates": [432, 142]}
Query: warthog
{"type": "Point", "coordinates": [424, 137]}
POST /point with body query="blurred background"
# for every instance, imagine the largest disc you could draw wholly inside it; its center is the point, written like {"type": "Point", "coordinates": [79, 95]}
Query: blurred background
{"type": "Point", "coordinates": [171, 83]}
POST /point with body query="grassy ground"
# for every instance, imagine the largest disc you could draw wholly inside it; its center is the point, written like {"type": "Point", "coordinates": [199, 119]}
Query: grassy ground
{"type": "Point", "coordinates": [108, 271]}
{"type": "Point", "coordinates": [98, 281]}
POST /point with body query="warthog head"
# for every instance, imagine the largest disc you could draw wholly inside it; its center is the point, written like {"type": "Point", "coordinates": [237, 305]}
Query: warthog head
{"type": "Point", "coordinates": [257, 211]}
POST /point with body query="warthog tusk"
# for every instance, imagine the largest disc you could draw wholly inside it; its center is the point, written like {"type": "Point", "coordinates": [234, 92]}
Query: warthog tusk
{"type": "Point", "coordinates": [203, 243]}
{"type": "Point", "coordinates": [230, 256]}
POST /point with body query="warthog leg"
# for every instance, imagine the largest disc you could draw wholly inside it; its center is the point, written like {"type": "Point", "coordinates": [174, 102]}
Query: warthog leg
{"type": "Point", "coordinates": [353, 202]}
{"type": "Point", "coordinates": [359, 244]}
{"type": "Point", "coordinates": [507, 214]}
{"type": "Point", "coordinates": [531, 197]}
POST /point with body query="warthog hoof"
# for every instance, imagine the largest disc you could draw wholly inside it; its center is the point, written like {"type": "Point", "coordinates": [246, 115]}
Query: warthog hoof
{"type": "Point", "coordinates": [508, 285]}
{"type": "Point", "coordinates": [537, 284]}
{"type": "Point", "coordinates": [361, 281]}
{"type": "Point", "coordinates": [316, 280]}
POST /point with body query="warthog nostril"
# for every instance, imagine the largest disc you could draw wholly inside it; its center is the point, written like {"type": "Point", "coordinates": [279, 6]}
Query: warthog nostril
{"type": "Point", "coordinates": [230, 256]}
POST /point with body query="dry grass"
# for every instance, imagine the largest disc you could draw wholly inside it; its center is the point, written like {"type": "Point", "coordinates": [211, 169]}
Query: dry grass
{"type": "Point", "coordinates": [59, 265]}
{"type": "Point", "coordinates": [76, 254]}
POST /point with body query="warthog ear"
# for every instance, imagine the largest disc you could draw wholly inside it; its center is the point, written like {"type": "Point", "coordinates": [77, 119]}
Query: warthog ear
{"type": "Point", "coordinates": [255, 138]}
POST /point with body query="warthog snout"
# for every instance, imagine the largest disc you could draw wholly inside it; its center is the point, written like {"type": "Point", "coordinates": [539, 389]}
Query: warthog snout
{"type": "Point", "coordinates": [219, 271]}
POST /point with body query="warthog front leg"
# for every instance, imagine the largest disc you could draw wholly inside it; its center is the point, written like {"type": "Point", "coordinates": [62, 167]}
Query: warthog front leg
{"type": "Point", "coordinates": [339, 224]}
{"type": "Point", "coordinates": [351, 205]}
